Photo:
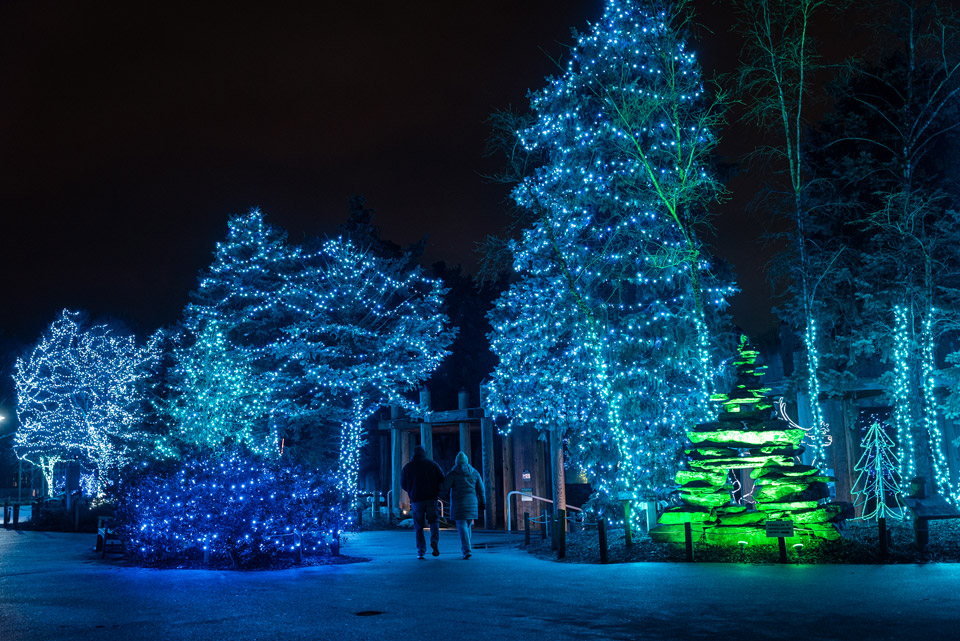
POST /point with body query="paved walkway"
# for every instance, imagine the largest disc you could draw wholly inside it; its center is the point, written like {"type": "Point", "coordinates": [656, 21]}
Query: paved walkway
{"type": "Point", "coordinates": [53, 587]}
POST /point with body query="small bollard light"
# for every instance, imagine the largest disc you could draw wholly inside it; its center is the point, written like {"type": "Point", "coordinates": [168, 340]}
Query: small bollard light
{"type": "Point", "coordinates": [799, 548]}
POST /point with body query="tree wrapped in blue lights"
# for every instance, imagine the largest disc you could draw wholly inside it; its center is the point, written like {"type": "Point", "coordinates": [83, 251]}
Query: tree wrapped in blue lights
{"type": "Point", "coordinates": [238, 309]}
{"type": "Point", "coordinates": [236, 511]}
{"type": "Point", "coordinates": [78, 398]}
{"type": "Point", "coordinates": [370, 329]}
{"type": "Point", "coordinates": [607, 327]}
{"type": "Point", "coordinates": [244, 289]}
{"type": "Point", "coordinates": [214, 400]}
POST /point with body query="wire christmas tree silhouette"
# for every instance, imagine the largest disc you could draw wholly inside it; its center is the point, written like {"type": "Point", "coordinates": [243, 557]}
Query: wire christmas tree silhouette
{"type": "Point", "coordinates": [878, 479]}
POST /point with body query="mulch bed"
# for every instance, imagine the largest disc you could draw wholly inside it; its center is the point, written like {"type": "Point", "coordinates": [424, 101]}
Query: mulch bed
{"type": "Point", "coordinates": [859, 545]}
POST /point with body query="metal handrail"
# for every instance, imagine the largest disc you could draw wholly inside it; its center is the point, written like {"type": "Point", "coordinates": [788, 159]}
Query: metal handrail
{"type": "Point", "coordinates": [539, 498]}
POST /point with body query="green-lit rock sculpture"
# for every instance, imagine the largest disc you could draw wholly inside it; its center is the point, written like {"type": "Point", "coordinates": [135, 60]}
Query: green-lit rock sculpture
{"type": "Point", "coordinates": [747, 435]}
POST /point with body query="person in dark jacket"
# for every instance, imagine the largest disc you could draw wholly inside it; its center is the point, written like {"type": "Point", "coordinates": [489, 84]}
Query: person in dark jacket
{"type": "Point", "coordinates": [465, 486]}
{"type": "Point", "coordinates": [421, 479]}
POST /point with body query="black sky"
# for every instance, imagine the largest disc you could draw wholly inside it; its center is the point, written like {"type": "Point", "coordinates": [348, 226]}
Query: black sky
{"type": "Point", "coordinates": [130, 131]}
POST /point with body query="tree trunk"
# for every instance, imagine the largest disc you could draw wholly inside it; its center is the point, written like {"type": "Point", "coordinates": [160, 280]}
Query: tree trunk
{"type": "Point", "coordinates": [559, 480]}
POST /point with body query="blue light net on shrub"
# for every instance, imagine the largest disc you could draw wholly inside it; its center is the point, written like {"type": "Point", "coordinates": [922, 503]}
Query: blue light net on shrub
{"type": "Point", "coordinates": [238, 511]}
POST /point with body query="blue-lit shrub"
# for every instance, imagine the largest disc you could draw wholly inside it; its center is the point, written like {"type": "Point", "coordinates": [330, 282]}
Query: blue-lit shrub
{"type": "Point", "coordinates": [236, 511]}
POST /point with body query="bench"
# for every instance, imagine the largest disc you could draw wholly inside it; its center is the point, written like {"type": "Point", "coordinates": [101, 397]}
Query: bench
{"type": "Point", "coordinates": [108, 539]}
{"type": "Point", "coordinates": [925, 509]}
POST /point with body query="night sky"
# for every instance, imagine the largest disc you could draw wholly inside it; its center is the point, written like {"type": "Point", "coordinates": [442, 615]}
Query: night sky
{"type": "Point", "coordinates": [129, 132]}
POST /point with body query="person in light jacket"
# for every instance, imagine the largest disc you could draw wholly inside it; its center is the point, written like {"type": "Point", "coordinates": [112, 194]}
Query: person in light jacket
{"type": "Point", "coordinates": [465, 487]}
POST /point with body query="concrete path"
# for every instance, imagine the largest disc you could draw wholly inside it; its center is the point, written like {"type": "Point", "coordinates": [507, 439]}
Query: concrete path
{"type": "Point", "coordinates": [53, 587]}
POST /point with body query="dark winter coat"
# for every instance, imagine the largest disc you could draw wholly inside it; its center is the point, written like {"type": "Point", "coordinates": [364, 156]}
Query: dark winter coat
{"type": "Point", "coordinates": [421, 478]}
{"type": "Point", "coordinates": [465, 487]}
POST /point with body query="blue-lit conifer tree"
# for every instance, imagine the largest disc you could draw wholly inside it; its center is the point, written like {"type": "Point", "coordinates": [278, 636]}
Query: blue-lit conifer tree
{"type": "Point", "coordinates": [219, 393]}
{"type": "Point", "coordinates": [77, 398]}
{"type": "Point", "coordinates": [605, 336]}
{"type": "Point", "coordinates": [215, 401]}
{"type": "Point", "coordinates": [369, 329]}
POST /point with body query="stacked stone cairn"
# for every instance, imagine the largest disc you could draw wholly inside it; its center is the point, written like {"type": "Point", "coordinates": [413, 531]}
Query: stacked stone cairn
{"type": "Point", "coordinates": [747, 435]}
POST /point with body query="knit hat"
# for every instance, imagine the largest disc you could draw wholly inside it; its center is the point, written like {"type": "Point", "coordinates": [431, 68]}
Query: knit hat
{"type": "Point", "coordinates": [419, 452]}
{"type": "Point", "coordinates": [461, 458]}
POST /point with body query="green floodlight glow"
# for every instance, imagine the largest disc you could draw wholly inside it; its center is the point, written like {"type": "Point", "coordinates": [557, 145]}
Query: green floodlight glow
{"type": "Point", "coordinates": [701, 515]}
{"type": "Point", "coordinates": [778, 491]}
{"type": "Point", "coordinates": [789, 506]}
{"type": "Point", "coordinates": [740, 462]}
{"type": "Point", "coordinates": [709, 500]}
{"type": "Point", "coordinates": [788, 472]}
{"type": "Point", "coordinates": [743, 437]}
{"type": "Point", "coordinates": [689, 476]}
{"type": "Point", "coordinates": [744, 518]}
{"type": "Point", "coordinates": [755, 438]}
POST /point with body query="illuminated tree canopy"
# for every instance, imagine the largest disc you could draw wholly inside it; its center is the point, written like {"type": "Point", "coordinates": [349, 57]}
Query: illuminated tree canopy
{"type": "Point", "coordinates": [369, 329]}
{"type": "Point", "coordinates": [77, 397]}
{"type": "Point", "coordinates": [286, 343]}
{"type": "Point", "coordinates": [215, 401]}
{"type": "Point", "coordinates": [608, 325]}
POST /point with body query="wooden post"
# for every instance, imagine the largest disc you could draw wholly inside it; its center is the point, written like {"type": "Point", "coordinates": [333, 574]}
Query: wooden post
{"type": "Point", "coordinates": [396, 466]}
{"type": "Point", "coordinates": [782, 543]}
{"type": "Point", "coordinates": [489, 482]}
{"type": "Point", "coordinates": [526, 528]}
{"type": "Point", "coordinates": [6, 512]}
{"type": "Point", "coordinates": [602, 532]}
{"type": "Point", "coordinates": [554, 531]}
{"type": "Point", "coordinates": [921, 529]}
{"type": "Point", "coordinates": [426, 429]}
{"type": "Point", "coordinates": [882, 524]}
{"type": "Point", "coordinates": [561, 534]}
{"type": "Point", "coordinates": [688, 540]}
{"type": "Point", "coordinates": [627, 526]}
{"type": "Point", "coordinates": [508, 480]}
{"type": "Point", "coordinates": [544, 515]}
{"type": "Point", "coordinates": [463, 399]}
{"type": "Point", "coordinates": [406, 447]}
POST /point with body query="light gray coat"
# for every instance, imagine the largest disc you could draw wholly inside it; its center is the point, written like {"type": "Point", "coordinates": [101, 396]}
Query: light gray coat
{"type": "Point", "coordinates": [466, 491]}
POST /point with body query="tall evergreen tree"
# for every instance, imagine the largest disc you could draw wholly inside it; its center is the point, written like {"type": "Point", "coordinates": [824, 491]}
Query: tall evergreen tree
{"type": "Point", "coordinates": [214, 400]}
{"type": "Point", "coordinates": [369, 329]}
{"type": "Point", "coordinates": [218, 386]}
{"type": "Point", "coordinates": [606, 327]}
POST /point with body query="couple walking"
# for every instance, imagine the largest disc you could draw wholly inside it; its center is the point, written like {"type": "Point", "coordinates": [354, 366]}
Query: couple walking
{"type": "Point", "coordinates": [424, 482]}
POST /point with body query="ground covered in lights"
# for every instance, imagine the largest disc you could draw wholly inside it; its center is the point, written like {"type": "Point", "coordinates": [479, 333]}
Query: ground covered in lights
{"type": "Point", "coordinates": [859, 545]}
